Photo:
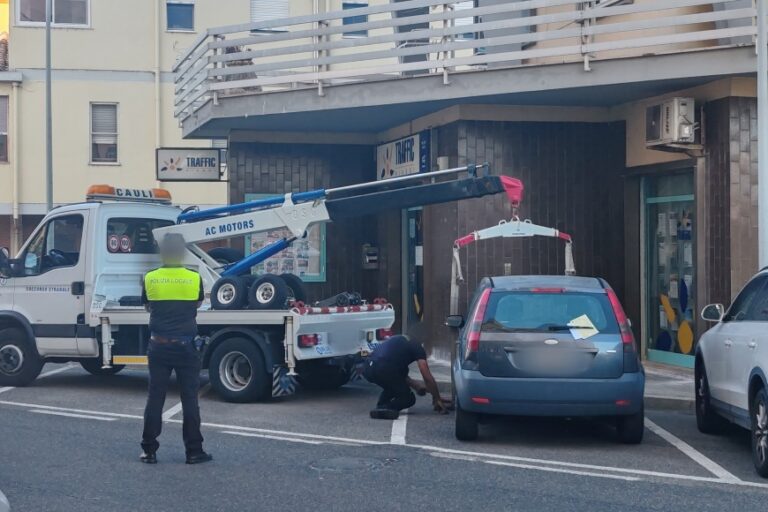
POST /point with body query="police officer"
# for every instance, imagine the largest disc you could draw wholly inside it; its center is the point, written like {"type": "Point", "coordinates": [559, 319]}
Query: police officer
{"type": "Point", "coordinates": [387, 367]}
{"type": "Point", "coordinates": [172, 295]}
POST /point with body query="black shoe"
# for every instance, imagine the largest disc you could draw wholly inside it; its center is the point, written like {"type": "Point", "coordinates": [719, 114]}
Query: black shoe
{"type": "Point", "coordinates": [199, 458]}
{"type": "Point", "coordinates": [148, 458]}
{"type": "Point", "coordinates": [384, 414]}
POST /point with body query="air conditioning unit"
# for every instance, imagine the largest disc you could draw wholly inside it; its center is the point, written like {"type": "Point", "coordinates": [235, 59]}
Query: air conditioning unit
{"type": "Point", "coordinates": [670, 123]}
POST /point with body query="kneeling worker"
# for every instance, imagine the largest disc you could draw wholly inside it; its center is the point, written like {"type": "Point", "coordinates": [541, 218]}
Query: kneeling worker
{"type": "Point", "coordinates": [387, 367]}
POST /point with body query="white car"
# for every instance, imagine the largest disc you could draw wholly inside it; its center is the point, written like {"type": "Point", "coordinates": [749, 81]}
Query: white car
{"type": "Point", "coordinates": [732, 366]}
{"type": "Point", "coordinates": [4, 505]}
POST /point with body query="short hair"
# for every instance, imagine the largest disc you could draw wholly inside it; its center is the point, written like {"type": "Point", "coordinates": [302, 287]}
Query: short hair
{"type": "Point", "coordinates": [172, 247]}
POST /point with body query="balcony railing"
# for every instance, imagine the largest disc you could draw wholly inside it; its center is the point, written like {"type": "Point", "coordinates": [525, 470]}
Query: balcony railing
{"type": "Point", "coordinates": [428, 37]}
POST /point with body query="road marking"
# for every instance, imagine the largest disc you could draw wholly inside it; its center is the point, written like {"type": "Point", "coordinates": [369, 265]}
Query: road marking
{"type": "Point", "coordinates": [561, 470]}
{"type": "Point", "coordinates": [42, 375]}
{"type": "Point", "coordinates": [698, 457]}
{"type": "Point", "coordinates": [399, 427]}
{"type": "Point", "coordinates": [67, 409]}
{"type": "Point", "coordinates": [173, 411]}
{"type": "Point", "coordinates": [267, 436]}
{"type": "Point", "coordinates": [73, 415]}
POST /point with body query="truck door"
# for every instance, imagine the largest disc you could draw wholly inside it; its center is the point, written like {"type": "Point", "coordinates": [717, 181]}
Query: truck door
{"type": "Point", "coordinates": [49, 283]}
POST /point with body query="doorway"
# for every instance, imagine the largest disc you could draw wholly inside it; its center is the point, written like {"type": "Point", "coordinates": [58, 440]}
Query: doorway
{"type": "Point", "coordinates": [413, 267]}
{"type": "Point", "coordinates": [670, 268]}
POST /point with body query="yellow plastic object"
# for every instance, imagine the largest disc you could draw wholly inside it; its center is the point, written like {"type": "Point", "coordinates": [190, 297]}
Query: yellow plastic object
{"type": "Point", "coordinates": [668, 309]}
{"type": "Point", "coordinates": [685, 337]}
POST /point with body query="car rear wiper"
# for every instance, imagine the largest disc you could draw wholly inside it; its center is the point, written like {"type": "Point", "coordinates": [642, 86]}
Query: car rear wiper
{"type": "Point", "coordinates": [566, 327]}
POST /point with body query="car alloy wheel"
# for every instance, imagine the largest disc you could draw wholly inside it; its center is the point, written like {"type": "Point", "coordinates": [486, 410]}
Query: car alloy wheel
{"type": "Point", "coordinates": [226, 294]}
{"type": "Point", "coordinates": [759, 413]}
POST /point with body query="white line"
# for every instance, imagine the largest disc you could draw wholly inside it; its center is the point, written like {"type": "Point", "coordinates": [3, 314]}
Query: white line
{"type": "Point", "coordinates": [67, 409]}
{"type": "Point", "coordinates": [173, 411]}
{"type": "Point", "coordinates": [567, 471]}
{"type": "Point", "coordinates": [399, 427]}
{"type": "Point", "coordinates": [46, 374]}
{"type": "Point", "coordinates": [698, 457]}
{"type": "Point", "coordinates": [72, 415]}
{"type": "Point", "coordinates": [267, 436]}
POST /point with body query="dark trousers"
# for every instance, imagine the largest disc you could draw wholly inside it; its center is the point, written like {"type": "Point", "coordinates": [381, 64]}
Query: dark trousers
{"type": "Point", "coordinates": [185, 361]}
{"type": "Point", "coordinates": [395, 393]}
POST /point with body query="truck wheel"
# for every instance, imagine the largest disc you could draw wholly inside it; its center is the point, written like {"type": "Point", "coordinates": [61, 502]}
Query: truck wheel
{"type": "Point", "coordinates": [296, 289]}
{"type": "Point", "coordinates": [225, 255]}
{"type": "Point", "coordinates": [466, 424]}
{"type": "Point", "coordinates": [93, 366]}
{"type": "Point", "coordinates": [228, 293]}
{"type": "Point", "coordinates": [268, 292]}
{"type": "Point", "coordinates": [236, 371]}
{"type": "Point", "coordinates": [19, 363]}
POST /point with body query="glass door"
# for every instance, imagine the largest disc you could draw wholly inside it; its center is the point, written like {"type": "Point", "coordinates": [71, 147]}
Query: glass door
{"type": "Point", "coordinates": [670, 279]}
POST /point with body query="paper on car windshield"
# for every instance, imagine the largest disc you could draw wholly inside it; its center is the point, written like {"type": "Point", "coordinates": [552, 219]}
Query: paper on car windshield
{"type": "Point", "coordinates": [582, 328]}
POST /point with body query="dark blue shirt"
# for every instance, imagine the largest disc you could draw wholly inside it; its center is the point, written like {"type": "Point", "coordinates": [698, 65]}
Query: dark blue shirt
{"type": "Point", "coordinates": [397, 352]}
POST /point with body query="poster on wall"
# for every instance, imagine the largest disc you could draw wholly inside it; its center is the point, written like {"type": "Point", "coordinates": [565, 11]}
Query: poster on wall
{"type": "Point", "coordinates": [402, 157]}
{"type": "Point", "coordinates": [304, 258]}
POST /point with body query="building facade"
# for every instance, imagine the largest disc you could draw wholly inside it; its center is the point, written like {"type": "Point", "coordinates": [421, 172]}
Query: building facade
{"type": "Point", "coordinates": [561, 94]}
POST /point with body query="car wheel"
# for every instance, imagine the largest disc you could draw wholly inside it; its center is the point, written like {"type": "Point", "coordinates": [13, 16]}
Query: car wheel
{"type": "Point", "coordinates": [268, 292]}
{"type": "Point", "coordinates": [19, 363]}
{"type": "Point", "coordinates": [225, 255]}
{"type": "Point", "coordinates": [707, 419]}
{"type": "Point", "coordinates": [631, 428]}
{"type": "Point", "coordinates": [466, 424]}
{"type": "Point", "coordinates": [759, 415]}
{"type": "Point", "coordinates": [94, 367]}
{"type": "Point", "coordinates": [296, 289]}
{"type": "Point", "coordinates": [236, 371]}
{"type": "Point", "coordinates": [228, 293]}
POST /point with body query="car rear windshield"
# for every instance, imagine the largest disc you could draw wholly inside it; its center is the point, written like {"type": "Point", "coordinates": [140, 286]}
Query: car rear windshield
{"type": "Point", "coordinates": [524, 311]}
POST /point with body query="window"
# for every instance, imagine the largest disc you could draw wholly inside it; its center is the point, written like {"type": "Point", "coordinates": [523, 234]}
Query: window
{"type": "Point", "coordinates": [65, 12]}
{"type": "Point", "coordinates": [465, 22]}
{"type": "Point", "coordinates": [353, 20]}
{"type": "Point", "coordinates": [133, 236]}
{"type": "Point", "coordinates": [265, 10]}
{"type": "Point", "coordinates": [103, 133]}
{"type": "Point", "coordinates": [741, 305]}
{"type": "Point", "coordinates": [223, 146]}
{"type": "Point", "coordinates": [56, 245]}
{"type": "Point", "coordinates": [3, 128]}
{"type": "Point", "coordinates": [180, 15]}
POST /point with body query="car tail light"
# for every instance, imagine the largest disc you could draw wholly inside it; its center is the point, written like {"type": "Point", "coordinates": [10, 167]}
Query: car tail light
{"type": "Point", "coordinates": [627, 338]}
{"type": "Point", "coordinates": [308, 340]}
{"type": "Point", "coordinates": [473, 336]}
{"type": "Point", "coordinates": [548, 290]}
{"type": "Point", "coordinates": [382, 334]}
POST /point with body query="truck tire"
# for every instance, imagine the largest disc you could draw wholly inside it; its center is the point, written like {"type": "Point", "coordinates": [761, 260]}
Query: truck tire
{"type": "Point", "coordinates": [268, 292]}
{"type": "Point", "coordinates": [236, 371]}
{"type": "Point", "coordinates": [19, 363]}
{"type": "Point", "coordinates": [296, 289]}
{"type": "Point", "coordinates": [93, 366]}
{"type": "Point", "coordinates": [225, 255]}
{"type": "Point", "coordinates": [228, 293]}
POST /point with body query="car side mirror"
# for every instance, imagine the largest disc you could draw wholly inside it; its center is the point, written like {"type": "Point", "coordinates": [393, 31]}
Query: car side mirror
{"type": "Point", "coordinates": [713, 313]}
{"type": "Point", "coordinates": [455, 321]}
{"type": "Point", "coordinates": [5, 262]}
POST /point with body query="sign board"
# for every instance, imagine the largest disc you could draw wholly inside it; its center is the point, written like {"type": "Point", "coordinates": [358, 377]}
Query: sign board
{"type": "Point", "coordinates": [410, 155]}
{"type": "Point", "coordinates": [188, 164]}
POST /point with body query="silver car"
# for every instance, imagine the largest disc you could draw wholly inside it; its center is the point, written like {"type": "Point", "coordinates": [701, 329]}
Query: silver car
{"type": "Point", "coordinates": [4, 505]}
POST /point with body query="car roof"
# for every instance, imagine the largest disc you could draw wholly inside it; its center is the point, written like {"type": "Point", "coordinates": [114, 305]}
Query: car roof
{"type": "Point", "coordinates": [518, 282]}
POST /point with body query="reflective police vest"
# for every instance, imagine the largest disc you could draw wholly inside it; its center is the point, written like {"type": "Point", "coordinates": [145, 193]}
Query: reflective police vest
{"type": "Point", "coordinates": [172, 283]}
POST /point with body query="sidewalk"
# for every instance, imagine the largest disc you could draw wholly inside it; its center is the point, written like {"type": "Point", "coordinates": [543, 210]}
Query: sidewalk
{"type": "Point", "coordinates": [666, 387]}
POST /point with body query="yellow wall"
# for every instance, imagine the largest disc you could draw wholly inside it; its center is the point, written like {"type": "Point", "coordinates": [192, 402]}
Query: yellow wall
{"type": "Point", "coordinates": [4, 16]}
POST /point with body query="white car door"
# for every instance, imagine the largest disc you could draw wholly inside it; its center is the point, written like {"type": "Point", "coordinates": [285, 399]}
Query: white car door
{"type": "Point", "coordinates": [749, 348]}
{"type": "Point", "coordinates": [735, 337]}
{"type": "Point", "coordinates": [49, 283]}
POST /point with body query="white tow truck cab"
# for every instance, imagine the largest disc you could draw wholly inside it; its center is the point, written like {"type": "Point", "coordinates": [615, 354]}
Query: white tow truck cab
{"type": "Point", "coordinates": [73, 293]}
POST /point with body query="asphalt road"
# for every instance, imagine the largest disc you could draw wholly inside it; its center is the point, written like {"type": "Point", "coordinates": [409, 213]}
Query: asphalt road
{"type": "Point", "coordinates": [70, 443]}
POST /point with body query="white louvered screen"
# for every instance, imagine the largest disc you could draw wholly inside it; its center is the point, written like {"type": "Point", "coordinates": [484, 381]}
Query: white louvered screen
{"type": "Point", "coordinates": [104, 123]}
{"type": "Point", "coordinates": [3, 115]}
{"type": "Point", "coordinates": [461, 6]}
{"type": "Point", "coordinates": [264, 10]}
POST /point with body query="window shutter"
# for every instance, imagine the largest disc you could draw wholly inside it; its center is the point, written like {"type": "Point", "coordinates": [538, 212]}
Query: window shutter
{"type": "Point", "coordinates": [264, 10]}
{"type": "Point", "coordinates": [104, 123]}
{"type": "Point", "coordinates": [3, 115]}
{"type": "Point", "coordinates": [461, 6]}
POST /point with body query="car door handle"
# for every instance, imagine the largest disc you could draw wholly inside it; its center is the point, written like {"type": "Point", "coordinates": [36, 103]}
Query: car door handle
{"type": "Point", "coordinates": [752, 344]}
{"type": "Point", "coordinates": [728, 343]}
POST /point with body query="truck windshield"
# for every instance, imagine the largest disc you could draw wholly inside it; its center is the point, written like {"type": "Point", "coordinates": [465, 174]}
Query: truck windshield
{"type": "Point", "coordinates": [523, 311]}
{"type": "Point", "coordinates": [132, 235]}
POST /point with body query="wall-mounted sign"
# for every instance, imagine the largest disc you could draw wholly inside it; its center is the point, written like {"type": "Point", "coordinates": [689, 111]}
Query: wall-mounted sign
{"type": "Point", "coordinates": [188, 164]}
{"type": "Point", "coordinates": [403, 157]}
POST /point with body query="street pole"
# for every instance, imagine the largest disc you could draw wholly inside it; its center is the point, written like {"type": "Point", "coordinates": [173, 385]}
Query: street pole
{"type": "Point", "coordinates": [48, 117]}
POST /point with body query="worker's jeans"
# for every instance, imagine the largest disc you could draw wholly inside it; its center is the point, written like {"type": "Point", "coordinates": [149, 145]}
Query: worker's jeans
{"type": "Point", "coordinates": [185, 361]}
{"type": "Point", "coordinates": [395, 394]}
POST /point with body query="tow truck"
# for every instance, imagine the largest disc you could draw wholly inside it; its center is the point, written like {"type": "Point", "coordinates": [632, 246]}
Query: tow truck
{"type": "Point", "coordinates": [73, 293]}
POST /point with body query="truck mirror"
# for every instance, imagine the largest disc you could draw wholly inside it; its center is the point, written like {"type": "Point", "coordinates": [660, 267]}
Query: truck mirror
{"type": "Point", "coordinates": [5, 262]}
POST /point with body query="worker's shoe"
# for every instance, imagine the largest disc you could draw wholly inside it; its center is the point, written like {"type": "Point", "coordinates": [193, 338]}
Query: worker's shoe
{"type": "Point", "coordinates": [148, 458]}
{"type": "Point", "coordinates": [199, 458]}
{"type": "Point", "coordinates": [384, 414]}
